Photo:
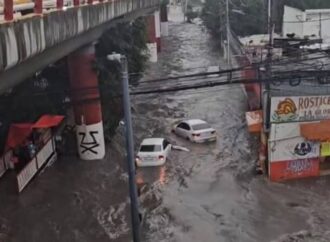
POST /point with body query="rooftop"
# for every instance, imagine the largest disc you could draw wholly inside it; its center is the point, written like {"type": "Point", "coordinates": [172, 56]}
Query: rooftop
{"type": "Point", "coordinates": [153, 141]}
{"type": "Point", "coordinates": [194, 121]}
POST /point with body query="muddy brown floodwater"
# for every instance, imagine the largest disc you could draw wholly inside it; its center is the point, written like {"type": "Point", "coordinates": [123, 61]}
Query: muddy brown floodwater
{"type": "Point", "coordinates": [209, 194]}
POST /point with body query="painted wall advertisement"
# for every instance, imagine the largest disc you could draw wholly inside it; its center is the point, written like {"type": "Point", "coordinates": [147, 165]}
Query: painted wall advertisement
{"type": "Point", "coordinates": [299, 108]}
{"type": "Point", "coordinates": [292, 149]}
{"type": "Point", "coordinates": [286, 170]}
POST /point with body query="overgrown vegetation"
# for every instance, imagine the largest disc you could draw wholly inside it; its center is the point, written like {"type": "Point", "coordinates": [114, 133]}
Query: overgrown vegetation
{"type": "Point", "coordinates": [130, 40]}
{"type": "Point", "coordinates": [212, 17]}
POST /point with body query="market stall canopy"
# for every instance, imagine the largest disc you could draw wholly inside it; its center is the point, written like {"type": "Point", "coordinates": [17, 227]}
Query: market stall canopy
{"type": "Point", "coordinates": [318, 131]}
{"type": "Point", "coordinates": [48, 121]}
{"type": "Point", "coordinates": [17, 134]}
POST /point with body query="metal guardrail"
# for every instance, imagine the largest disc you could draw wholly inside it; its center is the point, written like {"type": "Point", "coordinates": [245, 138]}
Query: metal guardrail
{"type": "Point", "coordinates": [29, 36]}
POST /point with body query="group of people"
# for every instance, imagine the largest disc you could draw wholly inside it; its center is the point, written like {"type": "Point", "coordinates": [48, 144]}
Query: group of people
{"type": "Point", "coordinates": [26, 151]}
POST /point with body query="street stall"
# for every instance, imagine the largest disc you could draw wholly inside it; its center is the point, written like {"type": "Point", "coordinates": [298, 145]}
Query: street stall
{"type": "Point", "coordinates": [299, 139]}
{"type": "Point", "coordinates": [33, 146]}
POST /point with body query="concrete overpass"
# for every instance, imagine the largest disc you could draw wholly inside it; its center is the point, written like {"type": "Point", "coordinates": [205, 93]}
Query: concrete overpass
{"type": "Point", "coordinates": [32, 42]}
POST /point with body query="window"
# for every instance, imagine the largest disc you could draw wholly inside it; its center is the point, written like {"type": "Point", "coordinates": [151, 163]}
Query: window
{"type": "Point", "coordinates": [150, 148]}
{"type": "Point", "coordinates": [184, 126]}
{"type": "Point", "coordinates": [165, 144]}
{"type": "Point", "coordinates": [201, 126]}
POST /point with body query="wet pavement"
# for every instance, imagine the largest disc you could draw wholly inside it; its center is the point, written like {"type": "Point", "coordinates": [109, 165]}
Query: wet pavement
{"type": "Point", "coordinates": [209, 194]}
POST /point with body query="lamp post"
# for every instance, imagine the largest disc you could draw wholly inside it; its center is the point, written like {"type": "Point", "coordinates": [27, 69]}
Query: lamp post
{"type": "Point", "coordinates": [129, 145]}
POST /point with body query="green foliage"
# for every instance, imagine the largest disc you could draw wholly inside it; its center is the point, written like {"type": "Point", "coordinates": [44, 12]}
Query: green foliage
{"type": "Point", "coordinates": [253, 19]}
{"type": "Point", "coordinates": [211, 17]}
{"type": "Point", "coordinates": [129, 39]}
{"type": "Point", "coordinates": [191, 14]}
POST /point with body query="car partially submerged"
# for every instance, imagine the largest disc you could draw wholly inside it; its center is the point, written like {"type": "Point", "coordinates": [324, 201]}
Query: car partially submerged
{"type": "Point", "coordinates": [153, 152]}
{"type": "Point", "coordinates": [195, 130]}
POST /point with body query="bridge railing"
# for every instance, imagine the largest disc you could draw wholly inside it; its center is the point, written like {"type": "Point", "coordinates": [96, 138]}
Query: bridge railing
{"type": "Point", "coordinates": [30, 35]}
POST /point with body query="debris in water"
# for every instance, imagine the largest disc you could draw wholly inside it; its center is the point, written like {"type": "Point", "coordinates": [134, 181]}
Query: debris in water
{"type": "Point", "coordinates": [176, 147]}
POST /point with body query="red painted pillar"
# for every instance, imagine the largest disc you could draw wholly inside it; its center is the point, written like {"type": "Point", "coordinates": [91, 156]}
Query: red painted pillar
{"type": "Point", "coordinates": [86, 104]}
{"type": "Point", "coordinates": [89, 1]}
{"type": "Point", "coordinates": [8, 10]}
{"type": "Point", "coordinates": [38, 6]}
{"type": "Point", "coordinates": [76, 3]}
{"type": "Point", "coordinates": [152, 40]}
{"type": "Point", "coordinates": [163, 20]}
{"type": "Point", "coordinates": [59, 4]}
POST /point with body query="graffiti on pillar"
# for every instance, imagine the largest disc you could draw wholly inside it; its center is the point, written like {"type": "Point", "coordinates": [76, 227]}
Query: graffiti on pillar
{"type": "Point", "coordinates": [89, 142]}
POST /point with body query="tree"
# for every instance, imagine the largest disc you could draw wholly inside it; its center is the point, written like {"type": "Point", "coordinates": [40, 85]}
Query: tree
{"type": "Point", "coordinates": [129, 39]}
{"type": "Point", "coordinates": [211, 17]}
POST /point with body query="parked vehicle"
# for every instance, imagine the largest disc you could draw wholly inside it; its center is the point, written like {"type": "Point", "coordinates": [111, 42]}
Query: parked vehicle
{"type": "Point", "coordinates": [195, 130]}
{"type": "Point", "coordinates": [153, 152]}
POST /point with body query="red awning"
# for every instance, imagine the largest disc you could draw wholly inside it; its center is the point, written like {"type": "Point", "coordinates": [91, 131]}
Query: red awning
{"type": "Point", "coordinates": [17, 134]}
{"type": "Point", "coordinates": [48, 121]}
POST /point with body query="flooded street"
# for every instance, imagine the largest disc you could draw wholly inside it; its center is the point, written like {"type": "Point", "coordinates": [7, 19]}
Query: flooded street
{"type": "Point", "coordinates": [211, 193]}
{"type": "Point", "coordinates": [208, 194]}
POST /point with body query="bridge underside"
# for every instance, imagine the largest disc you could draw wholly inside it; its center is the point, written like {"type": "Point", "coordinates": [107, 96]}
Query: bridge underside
{"type": "Point", "coordinates": [14, 75]}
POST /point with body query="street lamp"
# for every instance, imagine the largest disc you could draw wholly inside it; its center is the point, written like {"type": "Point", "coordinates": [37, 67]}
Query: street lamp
{"type": "Point", "coordinates": [129, 145]}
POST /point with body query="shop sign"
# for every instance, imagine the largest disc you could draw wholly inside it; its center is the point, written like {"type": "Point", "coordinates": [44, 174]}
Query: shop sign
{"type": "Point", "coordinates": [299, 108]}
{"type": "Point", "coordinates": [325, 149]}
{"type": "Point", "coordinates": [293, 149]}
{"type": "Point", "coordinates": [286, 170]}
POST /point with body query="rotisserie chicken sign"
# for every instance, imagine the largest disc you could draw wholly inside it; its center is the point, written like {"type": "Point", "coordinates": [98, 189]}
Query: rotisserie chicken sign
{"type": "Point", "coordinates": [299, 108]}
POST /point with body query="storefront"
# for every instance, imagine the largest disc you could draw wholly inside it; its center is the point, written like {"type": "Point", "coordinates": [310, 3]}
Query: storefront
{"type": "Point", "coordinates": [290, 155]}
{"type": "Point", "coordinates": [298, 143]}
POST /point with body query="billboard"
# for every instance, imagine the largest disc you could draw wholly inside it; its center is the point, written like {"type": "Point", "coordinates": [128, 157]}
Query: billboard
{"type": "Point", "coordinates": [299, 108]}
{"type": "Point", "coordinates": [286, 170]}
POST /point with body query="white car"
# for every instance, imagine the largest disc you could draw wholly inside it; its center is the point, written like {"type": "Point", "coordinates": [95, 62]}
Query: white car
{"type": "Point", "coordinates": [195, 130]}
{"type": "Point", "coordinates": [153, 152]}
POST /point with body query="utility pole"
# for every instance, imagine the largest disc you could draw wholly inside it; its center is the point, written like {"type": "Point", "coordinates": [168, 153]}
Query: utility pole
{"type": "Point", "coordinates": [268, 67]}
{"type": "Point", "coordinates": [320, 25]}
{"type": "Point", "coordinates": [129, 146]}
{"type": "Point", "coordinates": [228, 34]}
{"type": "Point", "coordinates": [185, 10]}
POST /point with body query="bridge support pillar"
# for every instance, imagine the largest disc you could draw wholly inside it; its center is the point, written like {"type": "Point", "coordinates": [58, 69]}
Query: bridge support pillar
{"type": "Point", "coordinates": [86, 104]}
{"type": "Point", "coordinates": [8, 10]}
{"type": "Point", "coordinates": [163, 20]}
{"type": "Point", "coordinates": [152, 40]}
